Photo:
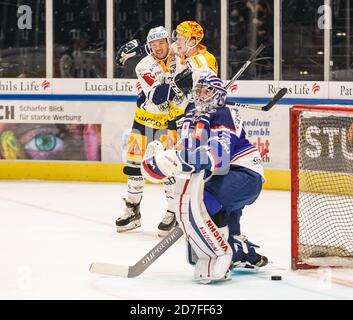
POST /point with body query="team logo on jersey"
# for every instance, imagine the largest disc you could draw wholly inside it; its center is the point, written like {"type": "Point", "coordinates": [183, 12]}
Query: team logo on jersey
{"type": "Point", "coordinates": [149, 78]}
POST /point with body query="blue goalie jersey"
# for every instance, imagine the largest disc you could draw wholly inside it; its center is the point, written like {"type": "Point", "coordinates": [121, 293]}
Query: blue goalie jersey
{"type": "Point", "coordinates": [217, 140]}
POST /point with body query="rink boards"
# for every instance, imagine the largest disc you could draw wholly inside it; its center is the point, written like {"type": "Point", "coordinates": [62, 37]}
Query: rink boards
{"type": "Point", "coordinates": [76, 128]}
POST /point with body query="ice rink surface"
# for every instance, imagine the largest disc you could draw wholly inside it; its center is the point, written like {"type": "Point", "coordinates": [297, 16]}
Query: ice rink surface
{"type": "Point", "coordinates": [50, 233]}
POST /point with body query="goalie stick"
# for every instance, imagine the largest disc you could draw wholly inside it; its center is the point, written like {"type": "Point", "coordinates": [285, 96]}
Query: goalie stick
{"type": "Point", "coordinates": [140, 266]}
{"type": "Point", "coordinates": [279, 95]}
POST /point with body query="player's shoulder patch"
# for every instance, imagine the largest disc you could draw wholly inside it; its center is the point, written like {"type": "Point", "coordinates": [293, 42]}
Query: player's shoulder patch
{"type": "Point", "coordinates": [196, 62]}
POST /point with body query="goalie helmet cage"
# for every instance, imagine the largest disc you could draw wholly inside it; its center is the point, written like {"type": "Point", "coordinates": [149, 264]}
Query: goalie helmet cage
{"type": "Point", "coordinates": [321, 186]}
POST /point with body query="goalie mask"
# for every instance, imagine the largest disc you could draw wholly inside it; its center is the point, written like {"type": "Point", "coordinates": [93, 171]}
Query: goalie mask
{"type": "Point", "coordinates": [209, 93]}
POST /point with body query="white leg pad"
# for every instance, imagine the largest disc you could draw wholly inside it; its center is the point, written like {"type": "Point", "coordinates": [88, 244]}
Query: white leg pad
{"type": "Point", "coordinates": [207, 270]}
{"type": "Point", "coordinates": [206, 240]}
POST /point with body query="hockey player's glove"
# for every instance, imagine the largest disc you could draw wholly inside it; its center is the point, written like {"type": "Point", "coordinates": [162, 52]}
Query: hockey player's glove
{"type": "Point", "coordinates": [182, 83]}
{"type": "Point", "coordinates": [127, 51]}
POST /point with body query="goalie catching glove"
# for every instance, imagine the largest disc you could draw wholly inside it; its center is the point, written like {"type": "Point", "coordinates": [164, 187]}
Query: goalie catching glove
{"type": "Point", "coordinates": [170, 163]}
{"type": "Point", "coordinates": [163, 165]}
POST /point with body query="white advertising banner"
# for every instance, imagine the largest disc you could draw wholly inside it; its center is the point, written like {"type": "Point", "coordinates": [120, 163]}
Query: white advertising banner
{"type": "Point", "coordinates": [25, 86]}
{"type": "Point", "coordinates": [306, 89]}
{"type": "Point", "coordinates": [269, 131]}
{"type": "Point", "coordinates": [267, 89]}
{"type": "Point", "coordinates": [341, 90]}
{"type": "Point", "coordinates": [61, 86]}
{"type": "Point", "coordinates": [95, 86]}
{"type": "Point", "coordinates": [122, 87]}
{"type": "Point", "coordinates": [253, 89]}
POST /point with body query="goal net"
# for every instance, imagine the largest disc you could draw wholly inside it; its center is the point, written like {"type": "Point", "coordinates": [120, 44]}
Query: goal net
{"type": "Point", "coordinates": [322, 186]}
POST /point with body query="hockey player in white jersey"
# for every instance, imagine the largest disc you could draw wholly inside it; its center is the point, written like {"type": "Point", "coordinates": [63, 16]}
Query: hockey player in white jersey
{"type": "Point", "coordinates": [157, 103]}
{"type": "Point", "coordinates": [215, 142]}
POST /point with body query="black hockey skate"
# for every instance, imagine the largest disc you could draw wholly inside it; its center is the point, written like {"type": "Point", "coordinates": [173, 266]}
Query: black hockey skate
{"type": "Point", "coordinates": [131, 218]}
{"type": "Point", "coordinates": [167, 224]}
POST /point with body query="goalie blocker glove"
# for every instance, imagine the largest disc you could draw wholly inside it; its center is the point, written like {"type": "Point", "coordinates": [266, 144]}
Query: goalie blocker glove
{"type": "Point", "coordinates": [129, 50]}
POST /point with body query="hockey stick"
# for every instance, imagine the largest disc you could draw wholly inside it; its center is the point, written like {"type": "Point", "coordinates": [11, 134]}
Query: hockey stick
{"type": "Point", "coordinates": [140, 266]}
{"type": "Point", "coordinates": [279, 95]}
{"type": "Point", "coordinates": [247, 63]}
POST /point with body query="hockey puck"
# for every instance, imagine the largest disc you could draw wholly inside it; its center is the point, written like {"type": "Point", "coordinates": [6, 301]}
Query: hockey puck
{"type": "Point", "coordinates": [276, 278]}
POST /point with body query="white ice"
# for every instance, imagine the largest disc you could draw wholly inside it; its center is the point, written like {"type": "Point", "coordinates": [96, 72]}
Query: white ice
{"type": "Point", "coordinates": [50, 233]}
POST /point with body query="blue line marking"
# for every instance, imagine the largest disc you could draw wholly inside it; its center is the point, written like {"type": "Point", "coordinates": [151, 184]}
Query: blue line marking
{"type": "Point", "coordinates": [133, 98]}
{"type": "Point", "coordinates": [72, 97]}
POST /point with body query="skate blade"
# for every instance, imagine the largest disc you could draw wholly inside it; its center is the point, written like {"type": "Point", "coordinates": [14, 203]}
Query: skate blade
{"type": "Point", "coordinates": [131, 226]}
